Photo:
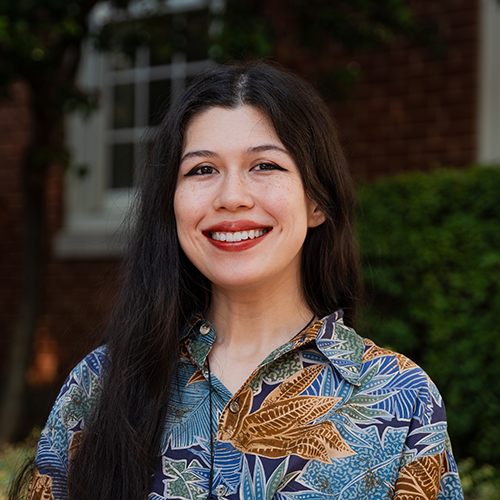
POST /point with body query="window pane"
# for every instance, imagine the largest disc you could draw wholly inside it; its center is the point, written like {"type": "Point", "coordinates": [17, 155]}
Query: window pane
{"type": "Point", "coordinates": [161, 34]}
{"type": "Point", "coordinates": [122, 165]}
{"type": "Point", "coordinates": [122, 39]}
{"type": "Point", "coordinates": [123, 112]}
{"type": "Point", "coordinates": [143, 151]}
{"type": "Point", "coordinates": [185, 33]}
{"type": "Point", "coordinates": [159, 100]}
{"type": "Point", "coordinates": [160, 52]}
{"type": "Point", "coordinates": [124, 60]}
{"type": "Point", "coordinates": [196, 34]}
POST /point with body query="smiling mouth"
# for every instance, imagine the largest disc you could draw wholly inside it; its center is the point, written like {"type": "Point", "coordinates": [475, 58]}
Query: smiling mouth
{"type": "Point", "coordinates": [235, 236]}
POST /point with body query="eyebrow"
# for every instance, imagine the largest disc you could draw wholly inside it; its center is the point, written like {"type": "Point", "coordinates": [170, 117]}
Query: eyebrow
{"type": "Point", "coordinates": [266, 147]}
{"type": "Point", "coordinates": [206, 153]}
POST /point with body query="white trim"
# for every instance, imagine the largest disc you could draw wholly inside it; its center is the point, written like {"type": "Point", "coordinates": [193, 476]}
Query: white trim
{"type": "Point", "coordinates": [488, 142]}
{"type": "Point", "coordinates": [104, 13]}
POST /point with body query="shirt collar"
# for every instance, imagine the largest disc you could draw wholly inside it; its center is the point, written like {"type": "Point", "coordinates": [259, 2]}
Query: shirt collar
{"type": "Point", "coordinates": [340, 344]}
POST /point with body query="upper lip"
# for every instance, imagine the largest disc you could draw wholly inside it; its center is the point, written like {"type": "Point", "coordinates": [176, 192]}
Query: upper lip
{"type": "Point", "coordinates": [234, 226]}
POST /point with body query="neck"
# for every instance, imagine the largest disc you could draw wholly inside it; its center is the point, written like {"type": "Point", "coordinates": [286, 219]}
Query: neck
{"type": "Point", "coordinates": [258, 320]}
{"type": "Point", "coordinates": [250, 324]}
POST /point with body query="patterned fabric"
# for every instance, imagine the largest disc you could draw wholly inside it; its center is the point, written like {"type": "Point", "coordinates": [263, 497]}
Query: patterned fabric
{"type": "Point", "coordinates": [326, 416]}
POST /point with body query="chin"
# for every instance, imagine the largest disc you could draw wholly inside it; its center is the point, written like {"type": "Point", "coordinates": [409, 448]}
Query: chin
{"type": "Point", "coordinates": [236, 283]}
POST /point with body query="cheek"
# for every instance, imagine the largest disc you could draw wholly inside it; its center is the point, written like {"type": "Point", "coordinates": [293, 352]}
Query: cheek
{"type": "Point", "coordinates": [286, 200]}
{"type": "Point", "coordinates": [186, 208]}
{"type": "Point", "coordinates": [183, 215]}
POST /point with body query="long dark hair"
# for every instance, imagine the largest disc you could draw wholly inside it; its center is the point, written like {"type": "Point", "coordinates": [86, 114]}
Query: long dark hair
{"type": "Point", "coordinates": [162, 289]}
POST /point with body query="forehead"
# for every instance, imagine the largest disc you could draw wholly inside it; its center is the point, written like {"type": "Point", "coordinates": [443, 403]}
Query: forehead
{"type": "Point", "coordinates": [217, 126]}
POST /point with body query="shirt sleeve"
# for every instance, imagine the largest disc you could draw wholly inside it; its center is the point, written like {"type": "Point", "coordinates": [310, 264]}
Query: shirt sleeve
{"type": "Point", "coordinates": [428, 470]}
{"type": "Point", "coordinates": [62, 433]}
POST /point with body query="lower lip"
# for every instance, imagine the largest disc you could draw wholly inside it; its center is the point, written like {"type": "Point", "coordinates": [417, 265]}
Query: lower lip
{"type": "Point", "coordinates": [237, 246]}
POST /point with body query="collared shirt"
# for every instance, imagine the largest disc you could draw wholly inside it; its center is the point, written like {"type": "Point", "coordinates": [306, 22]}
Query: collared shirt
{"type": "Point", "coordinates": [328, 415]}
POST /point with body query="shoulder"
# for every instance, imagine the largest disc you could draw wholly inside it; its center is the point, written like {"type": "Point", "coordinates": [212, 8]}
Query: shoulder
{"type": "Point", "coordinates": [412, 397]}
{"type": "Point", "coordinates": [427, 464]}
{"type": "Point", "coordinates": [84, 382]}
{"type": "Point", "coordinates": [404, 376]}
{"type": "Point", "coordinates": [396, 360]}
{"type": "Point", "coordinates": [389, 390]}
{"type": "Point", "coordinates": [76, 400]}
{"type": "Point", "coordinates": [74, 405]}
{"type": "Point", "coordinates": [359, 360]}
{"type": "Point", "coordinates": [397, 384]}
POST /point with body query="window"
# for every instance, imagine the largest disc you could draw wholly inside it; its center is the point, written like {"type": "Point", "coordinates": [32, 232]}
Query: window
{"type": "Point", "coordinates": [135, 86]}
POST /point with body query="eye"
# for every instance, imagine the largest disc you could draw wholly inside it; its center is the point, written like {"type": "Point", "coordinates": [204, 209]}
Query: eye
{"type": "Point", "coordinates": [267, 166]}
{"type": "Point", "coordinates": [203, 170]}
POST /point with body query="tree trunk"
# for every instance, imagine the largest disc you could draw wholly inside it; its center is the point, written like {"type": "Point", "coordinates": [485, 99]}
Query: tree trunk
{"type": "Point", "coordinates": [34, 236]}
{"type": "Point", "coordinates": [45, 144]}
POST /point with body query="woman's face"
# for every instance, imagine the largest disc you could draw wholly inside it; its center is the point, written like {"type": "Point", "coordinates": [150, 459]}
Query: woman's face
{"type": "Point", "coordinates": [240, 206]}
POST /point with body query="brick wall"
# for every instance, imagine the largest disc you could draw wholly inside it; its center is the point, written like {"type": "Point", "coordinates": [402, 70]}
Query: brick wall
{"type": "Point", "coordinates": [410, 109]}
{"type": "Point", "coordinates": [78, 294]}
{"type": "Point", "coordinates": [413, 110]}
{"type": "Point", "coordinates": [14, 129]}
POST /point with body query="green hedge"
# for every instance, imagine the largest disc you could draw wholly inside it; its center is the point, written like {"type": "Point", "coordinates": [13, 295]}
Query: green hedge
{"type": "Point", "coordinates": [431, 249]}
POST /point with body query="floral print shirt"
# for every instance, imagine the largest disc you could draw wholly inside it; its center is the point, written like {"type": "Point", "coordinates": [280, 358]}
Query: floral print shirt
{"type": "Point", "coordinates": [328, 415]}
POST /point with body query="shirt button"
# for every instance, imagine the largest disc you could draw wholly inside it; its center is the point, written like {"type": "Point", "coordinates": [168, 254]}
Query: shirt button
{"type": "Point", "coordinates": [234, 406]}
{"type": "Point", "coordinates": [221, 490]}
{"type": "Point", "coordinates": [204, 329]}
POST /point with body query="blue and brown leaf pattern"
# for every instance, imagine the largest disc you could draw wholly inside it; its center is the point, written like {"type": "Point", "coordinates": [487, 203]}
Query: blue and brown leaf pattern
{"type": "Point", "coordinates": [328, 415]}
{"type": "Point", "coordinates": [181, 480]}
{"type": "Point", "coordinates": [286, 423]}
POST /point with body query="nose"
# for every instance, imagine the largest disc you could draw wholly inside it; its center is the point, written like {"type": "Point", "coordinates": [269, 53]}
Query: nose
{"type": "Point", "coordinates": [234, 193]}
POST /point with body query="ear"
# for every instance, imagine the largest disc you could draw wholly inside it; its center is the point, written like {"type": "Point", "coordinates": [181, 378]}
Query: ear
{"type": "Point", "coordinates": [316, 217]}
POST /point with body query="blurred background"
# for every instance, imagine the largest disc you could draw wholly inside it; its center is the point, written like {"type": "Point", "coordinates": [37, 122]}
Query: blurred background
{"type": "Point", "coordinates": [414, 87]}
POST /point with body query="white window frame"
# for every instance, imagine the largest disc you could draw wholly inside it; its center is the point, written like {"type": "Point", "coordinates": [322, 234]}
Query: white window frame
{"type": "Point", "coordinates": [94, 215]}
{"type": "Point", "coordinates": [488, 139]}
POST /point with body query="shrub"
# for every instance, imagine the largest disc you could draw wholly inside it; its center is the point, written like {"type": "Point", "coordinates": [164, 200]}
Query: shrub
{"type": "Point", "coordinates": [431, 250]}
{"type": "Point", "coordinates": [13, 457]}
{"type": "Point", "coordinates": [479, 483]}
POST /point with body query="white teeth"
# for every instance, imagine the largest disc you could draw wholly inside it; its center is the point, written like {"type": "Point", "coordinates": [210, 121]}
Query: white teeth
{"type": "Point", "coordinates": [238, 236]}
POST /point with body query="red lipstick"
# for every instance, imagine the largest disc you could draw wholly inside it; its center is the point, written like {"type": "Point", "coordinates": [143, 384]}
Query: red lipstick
{"type": "Point", "coordinates": [233, 227]}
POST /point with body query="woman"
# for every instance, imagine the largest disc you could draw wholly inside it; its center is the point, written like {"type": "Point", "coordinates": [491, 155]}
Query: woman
{"type": "Point", "coordinates": [229, 369]}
